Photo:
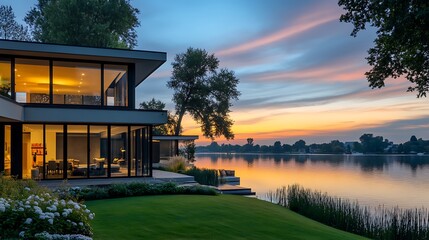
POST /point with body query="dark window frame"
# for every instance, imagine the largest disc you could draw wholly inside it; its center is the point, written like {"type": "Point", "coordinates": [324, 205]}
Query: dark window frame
{"type": "Point", "coordinates": [130, 81]}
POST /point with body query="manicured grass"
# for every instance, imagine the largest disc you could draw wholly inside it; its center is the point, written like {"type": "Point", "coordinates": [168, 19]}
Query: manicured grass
{"type": "Point", "coordinates": [203, 217]}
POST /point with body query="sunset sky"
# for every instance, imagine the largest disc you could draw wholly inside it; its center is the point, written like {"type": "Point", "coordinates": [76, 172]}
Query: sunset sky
{"type": "Point", "coordinates": [301, 73]}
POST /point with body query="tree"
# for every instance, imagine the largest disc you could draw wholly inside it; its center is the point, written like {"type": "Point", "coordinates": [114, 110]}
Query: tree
{"type": "Point", "coordinates": [9, 28]}
{"type": "Point", "coordinates": [96, 23]}
{"type": "Point", "coordinates": [165, 129]}
{"type": "Point", "coordinates": [277, 147]}
{"type": "Point", "coordinates": [371, 144]}
{"type": "Point", "coordinates": [299, 146]}
{"type": "Point", "coordinates": [204, 92]}
{"type": "Point", "coordinates": [401, 46]}
{"type": "Point", "coordinates": [249, 141]}
{"type": "Point", "coordinates": [413, 139]}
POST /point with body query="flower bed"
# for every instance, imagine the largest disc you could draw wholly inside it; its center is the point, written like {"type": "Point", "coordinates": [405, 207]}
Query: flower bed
{"type": "Point", "coordinates": [37, 213]}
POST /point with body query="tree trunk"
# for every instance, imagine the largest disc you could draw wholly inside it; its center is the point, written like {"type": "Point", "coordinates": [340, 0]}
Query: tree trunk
{"type": "Point", "coordinates": [179, 121]}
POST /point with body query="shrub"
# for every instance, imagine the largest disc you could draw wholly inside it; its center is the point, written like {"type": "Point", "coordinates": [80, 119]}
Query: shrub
{"type": "Point", "coordinates": [176, 164]}
{"type": "Point", "coordinates": [134, 189]}
{"type": "Point", "coordinates": [25, 216]}
{"type": "Point", "coordinates": [204, 176]}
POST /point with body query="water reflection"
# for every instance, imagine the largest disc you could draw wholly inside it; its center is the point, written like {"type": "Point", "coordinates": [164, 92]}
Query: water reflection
{"type": "Point", "coordinates": [373, 180]}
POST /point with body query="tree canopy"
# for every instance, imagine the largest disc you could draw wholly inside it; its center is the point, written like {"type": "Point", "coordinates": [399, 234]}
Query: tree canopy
{"type": "Point", "coordinates": [96, 23]}
{"type": "Point", "coordinates": [204, 92]}
{"type": "Point", "coordinates": [401, 46]}
{"type": "Point", "coordinates": [10, 29]}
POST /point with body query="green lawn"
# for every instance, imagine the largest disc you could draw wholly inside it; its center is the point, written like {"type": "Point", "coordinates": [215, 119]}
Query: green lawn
{"type": "Point", "coordinates": [203, 217]}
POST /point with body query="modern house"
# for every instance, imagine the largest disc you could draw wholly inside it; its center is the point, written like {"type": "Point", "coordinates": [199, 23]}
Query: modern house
{"type": "Point", "coordinates": [69, 112]}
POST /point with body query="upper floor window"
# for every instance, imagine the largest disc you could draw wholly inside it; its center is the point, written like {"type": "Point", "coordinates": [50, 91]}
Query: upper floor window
{"type": "Point", "coordinates": [32, 80]}
{"type": "Point", "coordinates": [5, 78]}
{"type": "Point", "coordinates": [115, 85]}
{"type": "Point", "coordinates": [76, 83]}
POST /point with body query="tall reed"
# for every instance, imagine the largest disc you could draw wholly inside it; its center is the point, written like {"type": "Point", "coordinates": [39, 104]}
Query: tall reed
{"type": "Point", "coordinates": [376, 223]}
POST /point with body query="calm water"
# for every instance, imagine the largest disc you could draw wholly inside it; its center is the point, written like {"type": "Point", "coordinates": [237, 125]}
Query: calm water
{"type": "Point", "coordinates": [372, 180]}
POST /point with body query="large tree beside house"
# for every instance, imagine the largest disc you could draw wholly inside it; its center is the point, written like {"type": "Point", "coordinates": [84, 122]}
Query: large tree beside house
{"type": "Point", "coordinates": [95, 23]}
{"type": "Point", "coordinates": [203, 91]}
{"type": "Point", "coordinates": [401, 46]}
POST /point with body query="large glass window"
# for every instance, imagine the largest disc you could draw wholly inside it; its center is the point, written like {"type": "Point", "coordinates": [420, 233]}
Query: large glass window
{"type": "Point", "coordinates": [5, 78]}
{"type": "Point", "coordinates": [32, 150]}
{"type": "Point", "coordinates": [140, 151]}
{"type": "Point", "coordinates": [98, 151]}
{"type": "Point", "coordinates": [54, 155]}
{"type": "Point", "coordinates": [77, 83]}
{"type": "Point", "coordinates": [115, 85]}
{"type": "Point", "coordinates": [77, 151]}
{"type": "Point", "coordinates": [119, 151]}
{"type": "Point", "coordinates": [32, 80]}
{"type": "Point", "coordinates": [7, 142]}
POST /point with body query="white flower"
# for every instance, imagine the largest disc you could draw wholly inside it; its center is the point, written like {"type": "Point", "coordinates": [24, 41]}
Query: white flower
{"type": "Point", "coordinates": [22, 234]}
{"type": "Point", "coordinates": [27, 188]}
{"type": "Point", "coordinates": [2, 208]}
{"type": "Point", "coordinates": [21, 209]}
{"type": "Point", "coordinates": [81, 223]}
{"type": "Point", "coordinates": [28, 221]}
{"type": "Point", "coordinates": [91, 216]}
{"type": "Point", "coordinates": [51, 221]}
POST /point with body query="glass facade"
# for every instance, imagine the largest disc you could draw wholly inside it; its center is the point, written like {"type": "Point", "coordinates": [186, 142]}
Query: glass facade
{"type": "Point", "coordinates": [115, 85]}
{"type": "Point", "coordinates": [66, 82]}
{"type": "Point", "coordinates": [98, 151]}
{"type": "Point", "coordinates": [119, 151]}
{"type": "Point", "coordinates": [7, 153]}
{"type": "Point", "coordinates": [32, 80]}
{"type": "Point", "coordinates": [77, 151]}
{"type": "Point", "coordinates": [54, 154]}
{"type": "Point", "coordinates": [140, 155]}
{"type": "Point", "coordinates": [76, 83]}
{"type": "Point", "coordinates": [5, 78]}
{"type": "Point", "coordinates": [83, 151]}
{"type": "Point", "coordinates": [33, 150]}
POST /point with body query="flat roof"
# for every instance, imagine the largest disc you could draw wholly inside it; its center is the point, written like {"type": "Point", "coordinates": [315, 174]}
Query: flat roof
{"type": "Point", "coordinates": [146, 62]}
{"type": "Point", "coordinates": [175, 137]}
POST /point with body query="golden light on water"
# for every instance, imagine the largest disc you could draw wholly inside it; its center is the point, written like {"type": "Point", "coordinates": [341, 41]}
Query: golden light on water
{"type": "Point", "coordinates": [348, 179]}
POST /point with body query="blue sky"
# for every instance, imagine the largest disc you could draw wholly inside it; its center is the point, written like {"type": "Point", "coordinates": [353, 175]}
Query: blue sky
{"type": "Point", "coordinates": [301, 73]}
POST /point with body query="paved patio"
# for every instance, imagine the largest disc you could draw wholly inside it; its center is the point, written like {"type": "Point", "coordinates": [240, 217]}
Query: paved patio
{"type": "Point", "coordinates": [158, 177]}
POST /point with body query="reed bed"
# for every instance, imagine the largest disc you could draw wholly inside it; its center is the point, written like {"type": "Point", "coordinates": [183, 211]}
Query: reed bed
{"type": "Point", "coordinates": [375, 223]}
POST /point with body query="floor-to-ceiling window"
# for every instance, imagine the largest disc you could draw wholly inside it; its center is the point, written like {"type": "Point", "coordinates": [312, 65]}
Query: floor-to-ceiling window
{"type": "Point", "coordinates": [77, 151]}
{"type": "Point", "coordinates": [32, 150]}
{"type": "Point", "coordinates": [5, 78]}
{"type": "Point", "coordinates": [32, 80]}
{"type": "Point", "coordinates": [98, 151]}
{"type": "Point", "coordinates": [140, 151]}
{"type": "Point", "coordinates": [76, 83]}
{"type": "Point", "coordinates": [91, 151]}
{"type": "Point", "coordinates": [7, 153]}
{"type": "Point", "coordinates": [119, 151]}
{"type": "Point", "coordinates": [115, 85]}
{"type": "Point", "coordinates": [54, 154]}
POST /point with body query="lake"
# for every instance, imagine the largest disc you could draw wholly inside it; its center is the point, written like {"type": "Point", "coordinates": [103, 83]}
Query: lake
{"type": "Point", "coordinates": [373, 180]}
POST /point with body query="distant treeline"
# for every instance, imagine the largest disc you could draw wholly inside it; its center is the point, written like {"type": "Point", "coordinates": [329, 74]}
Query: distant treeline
{"type": "Point", "coordinates": [368, 144]}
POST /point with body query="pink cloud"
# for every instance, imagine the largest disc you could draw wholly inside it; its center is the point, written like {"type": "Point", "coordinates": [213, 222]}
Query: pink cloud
{"type": "Point", "coordinates": [303, 24]}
